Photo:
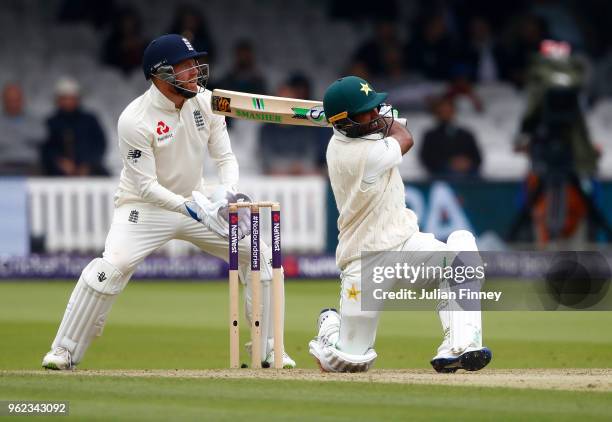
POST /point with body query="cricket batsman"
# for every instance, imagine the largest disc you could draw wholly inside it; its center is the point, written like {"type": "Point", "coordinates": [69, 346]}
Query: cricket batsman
{"type": "Point", "coordinates": [163, 136]}
{"type": "Point", "coordinates": [362, 159]}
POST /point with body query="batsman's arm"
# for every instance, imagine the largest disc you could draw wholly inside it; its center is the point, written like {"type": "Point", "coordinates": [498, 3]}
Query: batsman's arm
{"type": "Point", "coordinates": [400, 133]}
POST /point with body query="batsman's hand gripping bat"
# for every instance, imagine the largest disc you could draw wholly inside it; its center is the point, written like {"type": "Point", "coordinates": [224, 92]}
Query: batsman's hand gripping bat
{"type": "Point", "coordinates": [268, 109]}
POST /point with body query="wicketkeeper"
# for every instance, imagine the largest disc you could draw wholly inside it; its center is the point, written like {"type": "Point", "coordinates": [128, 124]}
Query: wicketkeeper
{"type": "Point", "coordinates": [362, 158]}
{"type": "Point", "coordinates": [163, 136]}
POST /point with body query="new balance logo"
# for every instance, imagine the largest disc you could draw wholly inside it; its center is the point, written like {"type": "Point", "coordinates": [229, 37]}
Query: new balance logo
{"type": "Point", "coordinates": [133, 155]}
{"type": "Point", "coordinates": [133, 218]}
{"type": "Point", "coordinates": [101, 277]}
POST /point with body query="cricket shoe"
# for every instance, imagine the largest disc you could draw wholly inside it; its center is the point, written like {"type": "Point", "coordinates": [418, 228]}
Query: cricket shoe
{"type": "Point", "coordinates": [58, 359]}
{"type": "Point", "coordinates": [331, 359]}
{"type": "Point", "coordinates": [472, 360]}
{"type": "Point", "coordinates": [288, 363]}
{"type": "Point", "coordinates": [328, 323]}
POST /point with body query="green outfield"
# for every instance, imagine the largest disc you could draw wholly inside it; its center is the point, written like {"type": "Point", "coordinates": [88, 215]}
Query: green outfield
{"type": "Point", "coordinates": [183, 326]}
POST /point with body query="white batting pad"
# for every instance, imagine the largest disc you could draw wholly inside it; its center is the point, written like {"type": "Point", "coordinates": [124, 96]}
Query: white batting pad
{"type": "Point", "coordinates": [334, 360]}
{"type": "Point", "coordinates": [88, 307]}
{"type": "Point", "coordinates": [462, 329]}
{"type": "Point", "coordinates": [267, 331]}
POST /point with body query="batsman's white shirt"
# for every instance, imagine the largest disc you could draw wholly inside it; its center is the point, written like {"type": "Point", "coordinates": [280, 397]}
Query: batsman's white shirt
{"type": "Point", "coordinates": [369, 194]}
{"type": "Point", "coordinates": [373, 213]}
{"type": "Point", "coordinates": [163, 149]}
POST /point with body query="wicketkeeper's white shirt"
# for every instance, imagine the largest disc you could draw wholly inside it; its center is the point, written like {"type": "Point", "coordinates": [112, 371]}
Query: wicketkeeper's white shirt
{"type": "Point", "coordinates": [163, 149]}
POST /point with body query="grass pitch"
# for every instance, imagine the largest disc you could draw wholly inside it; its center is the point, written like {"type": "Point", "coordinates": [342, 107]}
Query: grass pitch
{"type": "Point", "coordinates": [170, 326]}
{"type": "Point", "coordinates": [149, 398]}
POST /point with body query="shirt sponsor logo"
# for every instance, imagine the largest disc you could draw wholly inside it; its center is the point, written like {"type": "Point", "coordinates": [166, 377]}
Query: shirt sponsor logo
{"type": "Point", "coordinates": [163, 130]}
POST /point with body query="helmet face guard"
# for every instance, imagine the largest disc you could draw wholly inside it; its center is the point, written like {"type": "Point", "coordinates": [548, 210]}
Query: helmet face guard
{"type": "Point", "coordinates": [378, 126]}
{"type": "Point", "coordinates": [166, 73]}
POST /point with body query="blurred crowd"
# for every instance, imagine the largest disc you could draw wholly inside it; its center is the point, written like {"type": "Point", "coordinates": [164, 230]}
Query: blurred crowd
{"type": "Point", "coordinates": [475, 40]}
{"type": "Point", "coordinates": [70, 142]}
{"type": "Point", "coordinates": [458, 43]}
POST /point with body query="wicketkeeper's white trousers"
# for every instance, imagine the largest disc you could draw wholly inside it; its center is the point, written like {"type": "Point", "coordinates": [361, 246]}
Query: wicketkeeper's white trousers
{"type": "Point", "coordinates": [138, 230]}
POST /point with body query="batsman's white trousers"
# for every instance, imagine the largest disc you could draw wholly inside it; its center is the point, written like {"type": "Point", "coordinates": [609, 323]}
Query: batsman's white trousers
{"type": "Point", "coordinates": [357, 331]}
{"type": "Point", "coordinates": [137, 230]}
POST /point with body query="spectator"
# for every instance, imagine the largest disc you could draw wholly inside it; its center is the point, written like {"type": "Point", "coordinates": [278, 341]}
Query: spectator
{"type": "Point", "coordinates": [520, 46]}
{"type": "Point", "coordinates": [75, 144]}
{"type": "Point", "coordinates": [190, 23]}
{"type": "Point", "coordinates": [20, 134]}
{"type": "Point", "coordinates": [244, 75]}
{"type": "Point", "coordinates": [430, 52]}
{"type": "Point", "coordinates": [125, 45]}
{"type": "Point", "coordinates": [461, 89]}
{"type": "Point", "coordinates": [481, 52]}
{"type": "Point", "coordinates": [293, 150]}
{"type": "Point", "coordinates": [449, 150]}
{"type": "Point", "coordinates": [381, 54]}
{"type": "Point", "coordinates": [601, 81]}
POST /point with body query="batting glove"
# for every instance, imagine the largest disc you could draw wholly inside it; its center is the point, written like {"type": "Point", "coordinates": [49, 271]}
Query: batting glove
{"type": "Point", "coordinates": [388, 109]}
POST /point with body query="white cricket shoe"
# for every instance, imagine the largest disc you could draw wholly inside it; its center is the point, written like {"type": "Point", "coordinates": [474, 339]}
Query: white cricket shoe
{"type": "Point", "coordinates": [328, 324]}
{"type": "Point", "coordinates": [288, 363]}
{"type": "Point", "coordinates": [58, 359]}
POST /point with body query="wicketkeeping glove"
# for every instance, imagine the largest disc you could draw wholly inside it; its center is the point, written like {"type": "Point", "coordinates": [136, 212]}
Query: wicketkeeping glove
{"type": "Point", "coordinates": [214, 212]}
{"type": "Point", "coordinates": [206, 212]}
{"type": "Point", "coordinates": [244, 216]}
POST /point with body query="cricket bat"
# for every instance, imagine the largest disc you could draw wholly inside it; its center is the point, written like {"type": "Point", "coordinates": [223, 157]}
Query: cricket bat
{"type": "Point", "coordinates": [268, 109]}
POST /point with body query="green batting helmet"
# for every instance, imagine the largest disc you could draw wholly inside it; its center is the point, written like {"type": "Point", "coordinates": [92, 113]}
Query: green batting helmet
{"type": "Point", "coordinates": [349, 96]}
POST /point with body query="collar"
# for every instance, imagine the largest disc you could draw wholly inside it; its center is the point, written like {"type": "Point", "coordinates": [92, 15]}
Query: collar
{"type": "Point", "coordinates": [342, 137]}
{"type": "Point", "coordinates": [159, 100]}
